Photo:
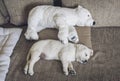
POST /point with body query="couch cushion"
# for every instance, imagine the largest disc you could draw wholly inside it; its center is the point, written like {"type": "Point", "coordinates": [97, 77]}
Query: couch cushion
{"type": "Point", "coordinates": [3, 13]}
{"type": "Point", "coordinates": [105, 12]}
{"type": "Point", "coordinates": [2, 20]}
{"type": "Point", "coordinates": [18, 9]}
{"type": "Point", "coordinates": [105, 67]}
{"type": "Point", "coordinates": [84, 34]}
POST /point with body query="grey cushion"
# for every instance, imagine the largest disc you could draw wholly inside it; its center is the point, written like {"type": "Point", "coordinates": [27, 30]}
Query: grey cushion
{"type": "Point", "coordinates": [84, 34]}
{"type": "Point", "coordinates": [4, 17]}
{"type": "Point", "coordinates": [2, 20]}
{"type": "Point", "coordinates": [18, 9]}
{"type": "Point", "coordinates": [105, 12]}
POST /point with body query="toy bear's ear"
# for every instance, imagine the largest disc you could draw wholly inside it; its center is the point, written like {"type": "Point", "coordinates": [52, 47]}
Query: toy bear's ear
{"type": "Point", "coordinates": [79, 7]}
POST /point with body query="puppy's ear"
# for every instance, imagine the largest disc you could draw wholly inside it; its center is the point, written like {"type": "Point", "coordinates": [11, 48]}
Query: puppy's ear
{"type": "Point", "coordinates": [91, 52]}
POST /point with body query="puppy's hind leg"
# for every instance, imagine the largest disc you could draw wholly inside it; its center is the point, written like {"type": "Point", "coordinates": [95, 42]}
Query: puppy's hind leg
{"type": "Point", "coordinates": [34, 58]}
{"type": "Point", "coordinates": [27, 64]}
{"type": "Point", "coordinates": [26, 67]}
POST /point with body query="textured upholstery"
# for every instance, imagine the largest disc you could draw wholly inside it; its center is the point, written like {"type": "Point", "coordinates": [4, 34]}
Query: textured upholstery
{"type": "Point", "coordinates": [84, 34]}
{"type": "Point", "coordinates": [103, 66]}
{"type": "Point", "coordinates": [18, 9]}
{"type": "Point", "coordinates": [3, 13]}
{"type": "Point", "coordinates": [2, 21]}
{"type": "Point", "coordinates": [105, 12]}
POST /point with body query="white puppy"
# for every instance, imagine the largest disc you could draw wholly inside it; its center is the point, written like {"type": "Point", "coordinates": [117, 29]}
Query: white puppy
{"type": "Point", "coordinates": [63, 19]}
{"type": "Point", "coordinates": [55, 50]}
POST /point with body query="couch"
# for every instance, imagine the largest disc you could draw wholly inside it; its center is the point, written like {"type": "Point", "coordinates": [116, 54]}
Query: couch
{"type": "Point", "coordinates": [103, 38]}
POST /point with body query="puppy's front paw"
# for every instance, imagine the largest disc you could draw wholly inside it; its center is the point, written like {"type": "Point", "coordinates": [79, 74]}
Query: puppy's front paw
{"type": "Point", "coordinates": [72, 72]}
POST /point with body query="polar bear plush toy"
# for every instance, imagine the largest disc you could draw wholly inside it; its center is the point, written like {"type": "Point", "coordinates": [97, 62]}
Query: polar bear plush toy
{"type": "Point", "coordinates": [63, 19]}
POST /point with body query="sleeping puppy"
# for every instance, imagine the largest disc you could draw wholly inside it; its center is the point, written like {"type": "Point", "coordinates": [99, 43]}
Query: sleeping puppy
{"type": "Point", "coordinates": [63, 19]}
{"type": "Point", "coordinates": [55, 50]}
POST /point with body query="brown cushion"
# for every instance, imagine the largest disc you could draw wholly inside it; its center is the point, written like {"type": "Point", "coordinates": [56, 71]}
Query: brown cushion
{"type": "Point", "coordinates": [3, 13]}
{"type": "Point", "coordinates": [2, 20]}
{"type": "Point", "coordinates": [18, 9]}
{"type": "Point", "coordinates": [84, 34]}
{"type": "Point", "coordinates": [105, 12]}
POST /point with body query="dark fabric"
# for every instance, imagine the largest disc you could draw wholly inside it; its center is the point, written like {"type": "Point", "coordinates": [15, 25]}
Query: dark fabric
{"type": "Point", "coordinates": [103, 66]}
{"type": "Point", "coordinates": [57, 3]}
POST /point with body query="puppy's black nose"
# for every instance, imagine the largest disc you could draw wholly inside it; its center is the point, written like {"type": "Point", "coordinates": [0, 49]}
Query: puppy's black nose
{"type": "Point", "coordinates": [94, 23]}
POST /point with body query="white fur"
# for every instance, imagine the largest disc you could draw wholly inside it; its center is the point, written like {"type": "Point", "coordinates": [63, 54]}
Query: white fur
{"type": "Point", "coordinates": [55, 50]}
{"type": "Point", "coordinates": [64, 19]}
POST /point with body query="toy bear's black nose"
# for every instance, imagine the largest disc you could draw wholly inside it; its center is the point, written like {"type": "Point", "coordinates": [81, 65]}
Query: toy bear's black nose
{"type": "Point", "coordinates": [85, 61]}
{"type": "Point", "coordinates": [94, 23]}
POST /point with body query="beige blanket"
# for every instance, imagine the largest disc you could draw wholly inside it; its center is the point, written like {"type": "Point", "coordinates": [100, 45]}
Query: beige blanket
{"type": "Point", "coordinates": [8, 40]}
